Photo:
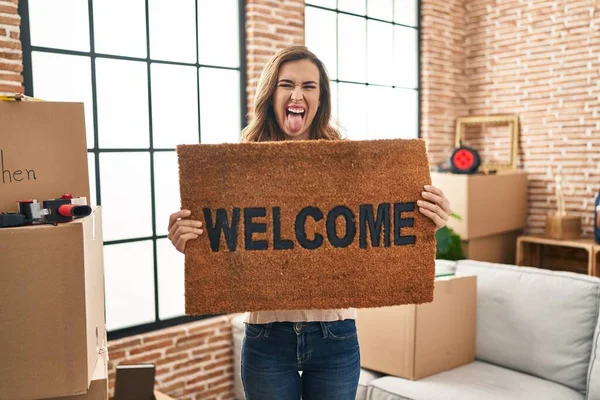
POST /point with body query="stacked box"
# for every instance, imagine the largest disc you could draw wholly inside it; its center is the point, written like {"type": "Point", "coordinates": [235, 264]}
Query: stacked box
{"type": "Point", "coordinates": [53, 336]}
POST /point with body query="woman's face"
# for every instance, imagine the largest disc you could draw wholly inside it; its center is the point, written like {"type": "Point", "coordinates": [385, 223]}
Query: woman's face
{"type": "Point", "coordinates": [296, 98]}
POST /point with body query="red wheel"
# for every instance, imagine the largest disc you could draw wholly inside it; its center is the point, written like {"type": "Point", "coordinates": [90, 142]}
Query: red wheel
{"type": "Point", "coordinates": [464, 160]}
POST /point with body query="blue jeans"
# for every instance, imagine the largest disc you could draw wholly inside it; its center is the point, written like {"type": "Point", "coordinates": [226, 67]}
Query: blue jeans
{"type": "Point", "coordinates": [327, 353]}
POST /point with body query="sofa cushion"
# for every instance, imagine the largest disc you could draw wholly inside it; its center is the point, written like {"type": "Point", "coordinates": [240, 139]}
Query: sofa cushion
{"type": "Point", "coordinates": [364, 380]}
{"type": "Point", "coordinates": [444, 266]}
{"type": "Point", "coordinates": [536, 321]}
{"type": "Point", "coordinates": [475, 381]}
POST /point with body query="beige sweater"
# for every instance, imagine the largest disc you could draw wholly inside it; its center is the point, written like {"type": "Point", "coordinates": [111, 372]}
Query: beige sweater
{"type": "Point", "coordinates": [265, 317]}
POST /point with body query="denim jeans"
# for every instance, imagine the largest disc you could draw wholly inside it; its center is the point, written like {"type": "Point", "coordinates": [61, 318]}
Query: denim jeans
{"type": "Point", "coordinates": [327, 353]}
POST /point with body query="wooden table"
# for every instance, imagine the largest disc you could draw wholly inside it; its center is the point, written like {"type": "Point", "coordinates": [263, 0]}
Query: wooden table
{"type": "Point", "coordinates": [575, 255]}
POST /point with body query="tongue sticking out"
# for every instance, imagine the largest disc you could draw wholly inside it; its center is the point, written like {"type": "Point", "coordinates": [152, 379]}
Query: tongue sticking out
{"type": "Point", "coordinates": [294, 122]}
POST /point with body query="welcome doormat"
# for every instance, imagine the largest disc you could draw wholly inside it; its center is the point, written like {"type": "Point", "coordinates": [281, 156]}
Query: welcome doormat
{"type": "Point", "coordinates": [306, 225]}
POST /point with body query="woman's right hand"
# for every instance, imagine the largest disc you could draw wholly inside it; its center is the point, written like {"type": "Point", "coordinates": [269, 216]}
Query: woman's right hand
{"type": "Point", "coordinates": [182, 230]}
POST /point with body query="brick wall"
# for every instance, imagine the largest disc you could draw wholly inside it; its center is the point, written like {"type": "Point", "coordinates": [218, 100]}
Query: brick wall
{"type": "Point", "coordinates": [538, 59]}
{"type": "Point", "coordinates": [193, 361]}
{"type": "Point", "coordinates": [271, 25]}
{"type": "Point", "coordinates": [443, 80]}
{"type": "Point", "coordinates": [541, 60]}
{"type": "Point", "coordinates": [11, 57]}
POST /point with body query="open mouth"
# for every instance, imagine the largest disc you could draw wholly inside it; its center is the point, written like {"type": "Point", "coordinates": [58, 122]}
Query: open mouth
{"type": "Point", "coordinates": [295, 110]}
{"type": "Point", "coordinates": [295, 117]}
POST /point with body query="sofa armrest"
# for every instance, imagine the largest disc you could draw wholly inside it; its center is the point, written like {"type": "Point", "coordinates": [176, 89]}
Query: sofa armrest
{"type": "Point", "coordinates": [593, 381]}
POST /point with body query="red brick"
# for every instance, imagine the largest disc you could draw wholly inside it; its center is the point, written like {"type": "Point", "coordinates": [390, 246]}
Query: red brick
{"type": "Point", "coordinates": [220, 338]}
{"type": "Point", "coordinates": [198, 337]}
{"type": "Point", "coordinates": [152, 346]}
{"type": "Point", "coordinates": [11, 89]}
{"type": "Point", "coordinates": [2, 32]}
{"type": "Point", "coordinates": [156, 337]}
{"type": "Point", "coordinates": [10, 20]}
{"type": "Point", "coordinates": [193, 361]}
{"type": "Point", "coordinates": [180, 374]}
{"type": "Point", "coordinates": [5, 44]}
{"type": "Point", "coordinates": [171, 359]}
{"type": "Point", "coordinates": [225, 354]}
{"type": "Point", "coordinates": [205, 377]}
{"type": "Point", "coordinates": [219, 390]}
{"type": "Point", "coordinates": [220, 381]}
{"type": "Point", "coordinates": [115, 355]}
{"type": "Point", "coordinates": [209, 324]}
{"type": "Point", "coordinates": [184, 348]}
{"type": "Point", "coordinates": [8, 9]}
{"type": "Point", "coordinates": [211, 349]}
{"type": "Point", "coordinates": [13, 34]}
{"type": "Point", "coordinates": [123, 343]}
{"type": "Point", "coordinates": [14, 67]}
{"type": "Point", "coordinates": [171, 387]}
{"type": "Point", "coordinates": [217, 364]}
{"type": "Point", "coordinates": [142, 358]}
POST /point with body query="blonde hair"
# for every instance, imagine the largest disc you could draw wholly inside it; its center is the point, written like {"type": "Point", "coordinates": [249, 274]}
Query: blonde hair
{"type": "Point", "coordinates": [263, 126]}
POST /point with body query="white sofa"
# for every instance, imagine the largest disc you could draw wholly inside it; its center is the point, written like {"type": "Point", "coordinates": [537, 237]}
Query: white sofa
{"type": "Point", "coordinates": [537, 339]}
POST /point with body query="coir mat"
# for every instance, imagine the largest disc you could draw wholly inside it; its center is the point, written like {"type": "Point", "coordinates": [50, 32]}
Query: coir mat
{"type": "Point", "coordinates": [306, 225]}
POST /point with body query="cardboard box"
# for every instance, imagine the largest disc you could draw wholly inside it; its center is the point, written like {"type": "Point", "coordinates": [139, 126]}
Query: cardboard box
{"type": "Point", "coordinates": [52, 308]}
{"type": "Point", "coordinates": [487, 204]}
{"type": "Point", "coordinates": [98, 387]}
{"type": "Point", "coordinates": [43, 152]}
{"type": "Point", "coordinates": [499, 248]}
{"type": "Point", "coordinates": [416, 341]}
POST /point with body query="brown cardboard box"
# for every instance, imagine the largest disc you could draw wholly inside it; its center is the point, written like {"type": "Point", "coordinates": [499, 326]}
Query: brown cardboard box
{"type": "Point", "coordinates": [498, 248]}
{"type": "Point", "coordinates": [52, 308]}
{"type": "Point", "coordinates": [43, 152]}
{"type": "Point", "coordinates": [487, 204]}
{"type": "Point", "coordinates": [416, 341]}
{"type": "Point", "coordinates": [98, 387]}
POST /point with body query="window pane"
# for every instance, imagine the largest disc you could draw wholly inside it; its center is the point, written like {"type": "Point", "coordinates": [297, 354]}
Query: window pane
{"type": "Point", "coordinates": [334, 102]}
{"type": "Point", "coordinates": [218, 19]}
{"type": "Point", "coordinates": [120, 27]}
{"type": "Point", "coordinates": [353, 111]}
{"type": "Point", "coordinates": [381, 9]}
{"type": "Point", "coordinates": [381, 61]}
{"type": "Point", "coordinates": [164, 33]}
{"type": "Point", "coordinates": [59, 77]}
{"type": "Point", "coordinates": [405, 12]}
{"type": "Point", "coordinates": [320, 37]}
{"type": "Point", "coordinates": [171, 280]}
{"type": "Point", "coordinates": [129, 284]}
{"type": "Point", "coordinates": [122, 93]}
{"type": "Point", "coordinates": [125, 186]}
{"type": "Point", "coordinates": [93, 200]}
{"type": "Point", "coordinates": [406, 57]}
{"type": "Point", "coordinates": [219, 105]}
{"type": "Point", "coordinates": [353, 6]}
{"type": "Point", "coordinates": [353, 48]}
{"type": "Point", "coordinates": [62, 24]}
{"type": "Point", "coordinates": [382, 118]}
{"type": "Point", "coordinates": [322, 3]}
{"type": "Point", "coordinates": [174, 113]}
{"type": "Point", "coordinates": [166, 188]}
{"type": "Point", "coordinates": [406, 105]}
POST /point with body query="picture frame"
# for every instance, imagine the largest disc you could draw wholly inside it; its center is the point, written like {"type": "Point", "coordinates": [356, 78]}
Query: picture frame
{"type": "Point", "coordinates": [513, 123]}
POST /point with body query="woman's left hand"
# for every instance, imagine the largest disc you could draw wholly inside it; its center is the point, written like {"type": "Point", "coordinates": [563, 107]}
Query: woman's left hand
{"type": "Point", "coordinates": [435, 206]}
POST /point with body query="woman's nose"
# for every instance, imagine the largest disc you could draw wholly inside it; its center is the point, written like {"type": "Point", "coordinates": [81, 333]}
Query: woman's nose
{"type": "Point", "coordinates": [297, 93]}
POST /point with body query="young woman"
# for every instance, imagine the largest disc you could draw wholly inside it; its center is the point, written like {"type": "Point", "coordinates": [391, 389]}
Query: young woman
{"type": "Point", "coordinates": [293, 102]}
